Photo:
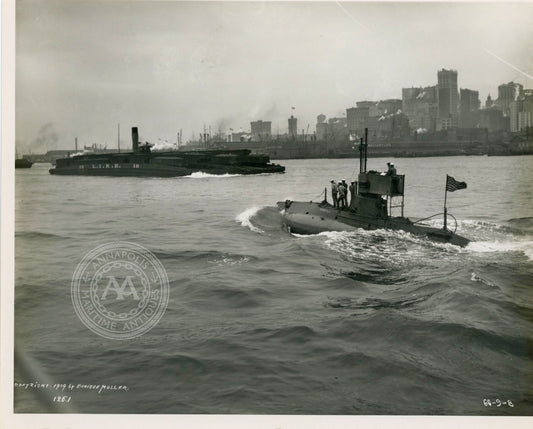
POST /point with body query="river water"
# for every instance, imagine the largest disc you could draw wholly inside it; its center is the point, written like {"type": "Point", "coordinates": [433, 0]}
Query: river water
{"type": "Point", "coordinates": [263, 322]}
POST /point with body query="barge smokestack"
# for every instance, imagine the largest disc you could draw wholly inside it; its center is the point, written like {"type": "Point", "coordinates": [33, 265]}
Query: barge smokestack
{"type": "Point", "coordinates": [135, 139]}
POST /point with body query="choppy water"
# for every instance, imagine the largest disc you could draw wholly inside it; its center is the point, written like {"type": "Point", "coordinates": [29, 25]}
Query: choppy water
{"type": "Point", "coordinates": [263, 322]}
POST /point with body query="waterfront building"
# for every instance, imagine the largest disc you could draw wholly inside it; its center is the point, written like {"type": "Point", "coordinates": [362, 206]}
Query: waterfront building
{"type": "Point", "coordinates": [384, 107]}
{"type": "Point", "coordinates": [392, 126]}
{"type": "Point", "coordinates": [337, 129]}
{"type": "Point", "coordinates": [524, 111]}
{"type": "Point", "coordinates": [384, 119]}
{"type": "Point", "coordinates": [515, 108]}
{"type": "Point", "coordinates": [261, 130]}
{"type": "Point", "coordinates": [507, 93]}
{"type": "Point", "coordinates": [448, 99]}
{"type": "Point", "coordinates": [469, 108]}
{"type": "Point", "coordinates": [293, 126]}
{"type": "Point", "coordinates": [492, 119]}
{"type": "Point", "coordinates": [241, 136]}
{"type": "Point", "coordinates": [420, 105]}
{"type": "Point", "coordinates": [358, 118]}
{"type": "Point", "coordinates": [321, 127]}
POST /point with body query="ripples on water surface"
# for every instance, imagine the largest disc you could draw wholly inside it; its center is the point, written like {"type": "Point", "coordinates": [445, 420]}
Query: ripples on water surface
{"type": "Point", "coordinates": [264, 322]}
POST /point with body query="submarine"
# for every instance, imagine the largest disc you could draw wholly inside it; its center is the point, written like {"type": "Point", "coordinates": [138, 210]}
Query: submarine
{"type": "Point", "coordinates": [142, 162]}
{"type": "Point", "coordinates": [376, 194]}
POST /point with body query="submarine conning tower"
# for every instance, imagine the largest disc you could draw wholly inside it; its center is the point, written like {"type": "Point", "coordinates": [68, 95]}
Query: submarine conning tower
{"type": "Point", "coordinates": [372, 186]}
{"type": "Point", "coordinates": [135, 139]}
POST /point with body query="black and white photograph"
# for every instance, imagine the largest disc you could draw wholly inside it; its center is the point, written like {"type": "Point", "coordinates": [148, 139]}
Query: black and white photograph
{"type": "Point", "coordinates": [266, 214]}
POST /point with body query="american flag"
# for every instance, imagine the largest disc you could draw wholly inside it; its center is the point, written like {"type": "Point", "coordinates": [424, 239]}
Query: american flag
{"type": "Point", "coordinates": [454, 185]}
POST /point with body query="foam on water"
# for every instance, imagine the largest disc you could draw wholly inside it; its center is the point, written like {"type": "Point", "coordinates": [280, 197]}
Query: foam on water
{"type": "Point", "coordinates": [524, 246]}
{"type": "Point", "coordinates": [490, 237]}
{"type": "Point", "coordinates": [245, 218]}
{"type": "Point", "coordinates": [231, 260]}
{"type": "Point", "coordinates": [476, 278]}
{"type": "Point", "coordinates": [391, 247]}
{"type": "Point", "coordinates": [202, 175]}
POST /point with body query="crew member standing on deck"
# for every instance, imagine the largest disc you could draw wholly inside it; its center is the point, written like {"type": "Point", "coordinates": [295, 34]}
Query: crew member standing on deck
{"type": "Point", "coordinates": [342, 196]}
{"type": "Point", "coordinates": [352, 193]}
{"type": "Point", "coordinates": [345, 186]}
{"type": "Point", "coordinates": [334, 192]}
{"type": "Point", "coordinates": [394, 187]}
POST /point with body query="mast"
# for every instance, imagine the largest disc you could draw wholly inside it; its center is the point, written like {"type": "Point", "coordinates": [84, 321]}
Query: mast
{"type": "Point", "coordinates": [118, 138]}
{"type": "Point", "coordinates": [445, 209]}
{"type": "Point", "coordinates": [363, 145]}
{"type": "Point", "coordinates": [366, 146]}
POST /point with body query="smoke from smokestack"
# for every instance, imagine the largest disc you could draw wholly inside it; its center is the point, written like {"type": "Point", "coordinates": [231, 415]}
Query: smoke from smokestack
{"type": "Point", "coordinates": [46, 140]}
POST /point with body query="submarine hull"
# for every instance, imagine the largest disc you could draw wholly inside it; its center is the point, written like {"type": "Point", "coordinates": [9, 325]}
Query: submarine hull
{"type": "Point", "coordinates": [313, 218]}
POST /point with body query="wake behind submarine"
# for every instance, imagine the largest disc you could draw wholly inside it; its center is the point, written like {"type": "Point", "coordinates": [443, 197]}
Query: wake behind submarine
{"type": "Point", "coordinates": [375, 195]}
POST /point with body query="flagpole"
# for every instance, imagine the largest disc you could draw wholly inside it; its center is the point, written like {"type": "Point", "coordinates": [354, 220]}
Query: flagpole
{"type": "Point", "coordinates": [445, 209]}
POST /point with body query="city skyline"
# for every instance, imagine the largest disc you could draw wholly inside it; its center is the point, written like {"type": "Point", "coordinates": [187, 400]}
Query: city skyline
{"type": "Point", "coordinates": [83, 68]}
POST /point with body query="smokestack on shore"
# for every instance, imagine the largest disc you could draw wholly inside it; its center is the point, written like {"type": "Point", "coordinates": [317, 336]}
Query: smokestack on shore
{"type": "Point", "coordinates": [135, 139]}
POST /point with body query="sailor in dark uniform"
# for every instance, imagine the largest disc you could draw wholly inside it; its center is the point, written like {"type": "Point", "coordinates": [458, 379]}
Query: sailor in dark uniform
{"type": "Point", "coordinates": [342, 196]}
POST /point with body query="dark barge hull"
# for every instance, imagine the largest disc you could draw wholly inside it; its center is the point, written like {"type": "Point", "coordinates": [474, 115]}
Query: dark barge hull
{"type": "Point", "coordinates": [124, 170]}
{"type": "Point", "coordinates": [313, 218]}
{"type": "Point", "coordinates": [142, 162]}
{"type": "Point", "coordinates": [23, 163]}
{"type": "Point", "coordinates": [166, 164]}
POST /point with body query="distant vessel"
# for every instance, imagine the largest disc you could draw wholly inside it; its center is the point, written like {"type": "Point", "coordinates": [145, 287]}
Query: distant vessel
{"type": "Point", "coordinates": [23, 163]}
{"type": "Point", "coordinates": [369, 209]}
{"type": "Point", "coordinates": [143, 162]}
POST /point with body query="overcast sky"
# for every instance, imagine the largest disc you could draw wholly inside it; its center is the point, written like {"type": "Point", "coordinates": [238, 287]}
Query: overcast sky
{"type": "Point", "coordinates": [84, 67]}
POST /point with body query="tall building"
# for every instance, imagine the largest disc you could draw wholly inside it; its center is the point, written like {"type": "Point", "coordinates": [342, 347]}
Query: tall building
{"type": "Point", "coordinates": [334, 129]}
{"type": "Point", "coordinates": [358, 118]}
{"type": "Point", "coordinates": [521, 112]}
{"type": "Point", "coordinates": [448, 99]}
{"type": "Point", "coordinates": [261, 130]}
{"type": "Point", "coordinates": [420, 105]}
{"type": "Point", "coordinates": [385, 107]}
{"type": "Point", "coordinates": [507, 93]}
{"type": "Point", "coordinates": [384, 119]}
{"type": "Point", "coordinates": [321, 127]}
{"type": "Point", "coordinates": [469, 108]}
{"type": "Point", "coordinates": [492, 118]}
{"type": "Point", "coordinates": [293, 126]}
{"type": "Point", "coordinates": [337, 129]}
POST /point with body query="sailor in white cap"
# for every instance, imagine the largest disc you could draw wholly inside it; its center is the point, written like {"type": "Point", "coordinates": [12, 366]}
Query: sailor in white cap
{"type": "Point", "coordinates": [391, 169]}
